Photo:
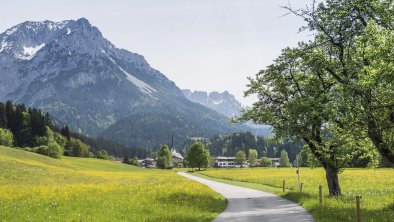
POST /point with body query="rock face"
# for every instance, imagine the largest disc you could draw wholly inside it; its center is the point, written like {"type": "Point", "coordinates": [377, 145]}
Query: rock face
{"type": "Point", "coordinates": [70, 70]}
{"type": "Point", "coordinates": [223, 103]}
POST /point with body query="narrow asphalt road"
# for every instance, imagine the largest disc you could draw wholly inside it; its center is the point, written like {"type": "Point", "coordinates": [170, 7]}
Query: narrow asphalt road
{"type": "Point", "coordinates": [246, 204]}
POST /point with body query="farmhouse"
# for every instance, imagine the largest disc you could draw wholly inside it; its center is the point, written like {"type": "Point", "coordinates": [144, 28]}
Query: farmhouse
{"type": "Point", "coordinates": [275, 161]}
{"type": "Point", "coordinates": [224, 162]}
{"type": "Point", "coordinates": [176, 157]}
{"type": "Point", "coordinates": [148, 163]}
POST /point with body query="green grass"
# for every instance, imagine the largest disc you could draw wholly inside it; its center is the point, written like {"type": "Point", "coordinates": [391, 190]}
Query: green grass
{"type": "Point", "coordinates": [38, 188]}
{"type": "Point", "coordinates": [376, 189]}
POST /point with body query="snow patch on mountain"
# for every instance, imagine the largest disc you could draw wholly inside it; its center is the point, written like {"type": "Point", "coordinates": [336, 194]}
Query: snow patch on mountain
{"type": "Point", "coordinates": [29, 52]}
{"type": "Point", "coordinates": [218, 102]}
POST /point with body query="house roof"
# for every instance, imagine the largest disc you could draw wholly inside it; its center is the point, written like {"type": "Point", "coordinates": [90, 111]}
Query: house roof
{"type": "Point", "coordinates": [176, 154]}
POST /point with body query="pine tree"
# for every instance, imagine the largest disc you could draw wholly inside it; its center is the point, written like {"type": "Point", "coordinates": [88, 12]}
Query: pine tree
{"type": "Point", "coordinates": [3, 116]}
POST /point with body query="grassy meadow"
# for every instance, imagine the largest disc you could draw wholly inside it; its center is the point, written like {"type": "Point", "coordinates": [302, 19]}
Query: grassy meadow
{"type": "Point", "coordinates": [376, 189]}
{"type": "Point", "coordinates": [38, 188]}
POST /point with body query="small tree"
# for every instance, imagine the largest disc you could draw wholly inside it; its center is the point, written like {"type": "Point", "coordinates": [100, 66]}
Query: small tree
{"type": "Point", "coordinates": [78, 148]}
{"type": "Point", "coordinates": [102, 154]}
{"type": "Point", "coordinates": [164, 158]}
{"type": "Point", "coordinates": [265, 162]}
{"type": "Point", "coordinates": [253, 155]}
{"type": "Point", "coordinates": [126, 160]}
{"type": "Point", "coordinates": [198, 156]}
{"type": "Point", "coordinates": [240, 158]}
{"type": "Point", "coordinates": [55, 150]}
{"type": "Point", "coordinates": [134, 161]}
{"type": "Point", "coordinates": [6, 137]}
{"type": "Point", "coordinates": [284, 159]}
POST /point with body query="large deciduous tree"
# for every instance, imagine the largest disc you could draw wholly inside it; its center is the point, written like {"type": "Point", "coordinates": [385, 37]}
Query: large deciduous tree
{"type": "Point", "coordinates": [164, 160]}
{"type": "Point", "coordinates": [354, 44]}
{"type": "Point", "coordinates": [198, 156]}
{"type": "Point", "coordinates": [299, 103]}
{"type": "Point", "coordinates": [252, 157]}
{"type": "Point", "coordinates": [240, 158]}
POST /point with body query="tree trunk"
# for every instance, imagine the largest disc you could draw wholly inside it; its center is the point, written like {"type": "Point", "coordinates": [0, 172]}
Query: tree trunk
{"type": "Point", "coordinates": [332, 180]}
{"type": "Point", "coordinates": [377, 139]}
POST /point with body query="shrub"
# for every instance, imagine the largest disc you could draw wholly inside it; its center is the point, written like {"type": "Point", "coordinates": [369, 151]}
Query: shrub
{"type": "Point", "coordinates": [55, 150]}
{"type": "Point", "coordinates": [265, 162]}
{"type": "Point", "coordinates": [78, 148]}
{"type": "Point", "coordinates": [6, 137]}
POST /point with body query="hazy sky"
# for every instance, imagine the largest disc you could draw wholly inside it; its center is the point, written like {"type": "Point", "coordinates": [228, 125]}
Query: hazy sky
{"type": "Point", "coordinates": [210, 45]}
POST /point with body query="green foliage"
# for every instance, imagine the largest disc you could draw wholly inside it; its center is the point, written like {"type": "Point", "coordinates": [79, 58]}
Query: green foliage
{"type": "Point", "coordinates": [198, 156]}
{"type": "Point", "coordinates": [265, 162]}
{"type": "Point", "coordinates": [134, 161]}
{"type": "Point", "coordinates": [252, 157]}
{"type": "Point", "coordinates": [164, 158]}
{"type": "Point", "coordinates": [77, 148]}
{"type": "Point", "coordinates": [126, 160]}
{"type": "Point", "coordinates": [54, 150]}
{"type": "Point", "coordinates": [25, 124]}
{"type": "Point", "coordinates": [6, 137]}
{"type": "Point", "coordinates": [240, 158]}
{"type": "Point", "coordinates": [228, 145]}
{"type": "Point", "coordinates": [102, 154]}
{"type": "Point", "coordinates": [284, 159]}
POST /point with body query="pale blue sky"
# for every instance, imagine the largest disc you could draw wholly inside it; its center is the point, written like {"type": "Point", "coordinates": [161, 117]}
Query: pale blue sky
{"type": "Point", "coordinates": [211, 45]}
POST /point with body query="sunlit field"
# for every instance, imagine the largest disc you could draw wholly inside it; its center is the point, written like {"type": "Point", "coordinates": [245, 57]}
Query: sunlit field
{"type": "Point", "coordinates": [38, 188]}
{"type": "Point", "coordinates": [375, 188]}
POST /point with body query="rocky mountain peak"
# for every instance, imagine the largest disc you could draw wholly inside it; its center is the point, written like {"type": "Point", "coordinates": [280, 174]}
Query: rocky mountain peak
{"type": "Point", "coordinates": [223, 103]}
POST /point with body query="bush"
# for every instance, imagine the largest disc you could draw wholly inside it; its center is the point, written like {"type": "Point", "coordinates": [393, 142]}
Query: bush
{"type": "Point", "coordinates": [55, 150]}
{"type": "Point", "coordinates": [265, 162]}
{"type": "Point", "coordinates": [165, 158]}
{"type": "Point", "coordinates": [102, 154]}
{"type": "Point", "coordinates": [43, 150]}
{"type": "Point", "coordinates": [6, 137]}
{"type": "Point", "coordinates": [77, 148]}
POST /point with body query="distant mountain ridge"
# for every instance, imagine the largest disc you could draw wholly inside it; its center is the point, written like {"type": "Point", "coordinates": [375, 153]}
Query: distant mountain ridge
{"type": "Point", "coordinates": [71, 71]}
{"type": "Point", "coordinates": [223, 103]}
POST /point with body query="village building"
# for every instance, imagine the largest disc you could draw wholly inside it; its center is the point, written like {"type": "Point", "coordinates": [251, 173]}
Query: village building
{"type": "Point", "coordinates": [225, 162]}
{"type": "Point", "coordinates": [148, 163]}
{"type": "Point", "coordinates": [176, 157]}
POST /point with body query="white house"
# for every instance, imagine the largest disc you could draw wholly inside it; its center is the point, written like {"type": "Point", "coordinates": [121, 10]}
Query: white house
{"type": "Point", "coordinates": [225, 162]}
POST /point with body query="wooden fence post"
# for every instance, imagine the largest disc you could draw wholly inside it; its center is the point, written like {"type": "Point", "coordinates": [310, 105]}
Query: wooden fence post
{"type": "Point", "coordinates": [358, 210]}
{"type": "Point", "coordinates": [284, 184]}
{"type": "Point", "coordinates": [320, 195]}
{"type": "Point", "coordinates": [301, 187]}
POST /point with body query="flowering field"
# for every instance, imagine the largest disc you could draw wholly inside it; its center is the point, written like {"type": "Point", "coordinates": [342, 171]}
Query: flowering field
{"type": "Point", "coordinates": [376, 189]}
{"type": "Point", "coordinates": [38, 188]}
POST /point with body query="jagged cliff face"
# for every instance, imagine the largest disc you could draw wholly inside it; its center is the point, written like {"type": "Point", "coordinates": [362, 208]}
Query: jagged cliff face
{"type": "Point", "coordinates": [223, 103]}
{"type": "Point", "coordinates": [70, 70]}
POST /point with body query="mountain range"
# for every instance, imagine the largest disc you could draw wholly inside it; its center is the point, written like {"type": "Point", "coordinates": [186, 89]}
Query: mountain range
{"type": "Point", "coordinates": [223, 103]}
{"type": "Point", "coordinates": [71, 71]}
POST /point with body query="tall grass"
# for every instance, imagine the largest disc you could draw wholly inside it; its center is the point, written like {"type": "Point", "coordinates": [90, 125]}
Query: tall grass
{"type": "Point", "coordinates": [38, 188]}
{"type": "Point", "coordinates": [376, 189]}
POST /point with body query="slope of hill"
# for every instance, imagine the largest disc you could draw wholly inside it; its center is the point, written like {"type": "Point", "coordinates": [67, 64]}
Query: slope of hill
{"type": "Point", "coordinates": [70, 70]}
{"type": "Point", "coordinates": [38, 188]}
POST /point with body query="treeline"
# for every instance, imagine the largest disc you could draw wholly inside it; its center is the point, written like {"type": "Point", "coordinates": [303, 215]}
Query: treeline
{"type": "Point", "coordinates": [113, 148]}
{"type": "Point", "coordinates": [33, 130]}
{"type": "Point", "coordinates": [26, 125]}
{"type": "Point", "coordinates": [229, 145]}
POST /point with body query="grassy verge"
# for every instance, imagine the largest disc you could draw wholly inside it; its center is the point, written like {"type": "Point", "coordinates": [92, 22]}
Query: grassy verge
{"type": "Point", "coordinates": [376, 189]}
{"type": "Point", "coordinates": [37, 188]}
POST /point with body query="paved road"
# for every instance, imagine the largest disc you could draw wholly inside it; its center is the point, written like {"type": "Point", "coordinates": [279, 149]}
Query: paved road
{"type": "Point", "coordinates": [246, 204]}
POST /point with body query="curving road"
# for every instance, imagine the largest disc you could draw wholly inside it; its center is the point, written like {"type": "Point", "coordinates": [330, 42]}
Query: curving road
{"type": "Point", "coordinates": [246, 204]}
